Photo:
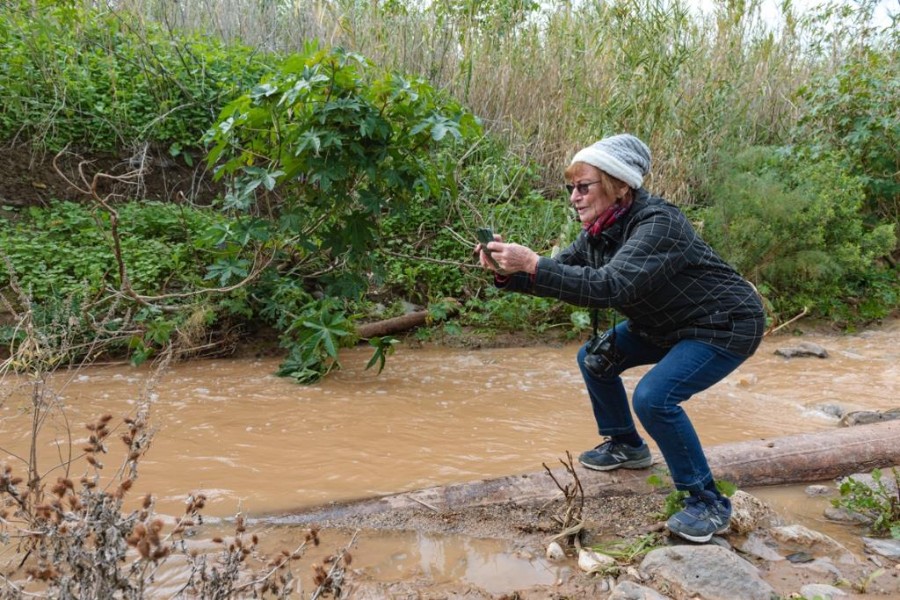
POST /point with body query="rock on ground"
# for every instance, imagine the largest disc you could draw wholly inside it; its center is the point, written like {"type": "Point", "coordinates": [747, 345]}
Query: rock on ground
{"type": "Point", "coordinates": [709, 572]}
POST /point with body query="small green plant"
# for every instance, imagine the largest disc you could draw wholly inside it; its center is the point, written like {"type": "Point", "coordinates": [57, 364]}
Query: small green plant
{"type": "Point", "coordinates": [862, 584]}
{"type": "Point", "coordinates": [631, 550]}
{"type": "Point", "coordinates": [674, 501]}
{"type": "Point", "coordinates": [880, 502]}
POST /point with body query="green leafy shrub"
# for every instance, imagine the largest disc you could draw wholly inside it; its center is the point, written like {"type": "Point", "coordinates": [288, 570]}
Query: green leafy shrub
{"type": "Point", "coordinates": [104, 80]}
{"type": "Point", "coordinates": [319, 155]}
{"type": "Point", "coordinates": [879, 502]}
{"type": "Point", "coordinates": [65, 247]}
{"type": "Point", "coordinates": [854, 114]}
{"type": "Point", "coordinates": [797, 229]}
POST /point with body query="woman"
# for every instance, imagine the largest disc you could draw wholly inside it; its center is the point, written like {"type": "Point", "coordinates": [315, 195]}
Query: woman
{"type": "Point", "coordinates": [688, 313]}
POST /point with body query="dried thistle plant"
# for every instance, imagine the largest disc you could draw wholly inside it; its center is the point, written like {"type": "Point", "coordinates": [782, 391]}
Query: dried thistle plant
{"type": "Point", "coordinates": [74, 537]}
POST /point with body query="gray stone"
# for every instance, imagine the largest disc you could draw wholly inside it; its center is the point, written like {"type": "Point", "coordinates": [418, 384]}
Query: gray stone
{"type": "Point", "coordinates": [823, 566]}
{"type": "Point", "coordinates": [821, 590]}
{"type": "Point", "coordinates": [798, 537]}
{"type": "Point", "coordinates": [760, 547]}
{"type": "Point", "coordinates": [803, 349]}
{"type": "Point", "coordinates": [818, 490]}
{"type": "Point", "coordinates": [866, 417]}
{"type": "Point", "coordinates": [628, 590]}
{"type": "Point", "coordinates": [843, 515]}
{"type": "Point", "coordinates": [830, 409]}
{"type": "Point", "coordinates": [889, 548]}
{"type": "Point", "coordinates": [708, 571]}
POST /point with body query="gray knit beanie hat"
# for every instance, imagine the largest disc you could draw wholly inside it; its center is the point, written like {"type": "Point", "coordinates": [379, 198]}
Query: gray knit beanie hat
{"type": "Point", "coordinates": [623, 156]}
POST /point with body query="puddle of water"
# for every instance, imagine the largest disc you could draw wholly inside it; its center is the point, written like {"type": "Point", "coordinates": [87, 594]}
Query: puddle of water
{"type": "Point", "coordinates": [494, 566]}
{"type": "Point", "coordinates": [793, 504]}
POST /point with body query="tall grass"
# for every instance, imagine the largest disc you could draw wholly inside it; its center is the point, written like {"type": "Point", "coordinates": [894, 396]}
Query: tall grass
{"type": "Point", "coordinates": [550, 80]}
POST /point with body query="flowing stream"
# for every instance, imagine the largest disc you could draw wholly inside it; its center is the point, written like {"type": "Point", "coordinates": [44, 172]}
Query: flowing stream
{"type": "Point", "coordinates": [256, 443]}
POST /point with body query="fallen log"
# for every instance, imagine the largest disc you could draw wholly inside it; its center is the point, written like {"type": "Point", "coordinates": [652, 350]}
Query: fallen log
{"type": "Point", "coordinates": [791, 459]}
{"type": "Point", "coordinates": [392, 325]}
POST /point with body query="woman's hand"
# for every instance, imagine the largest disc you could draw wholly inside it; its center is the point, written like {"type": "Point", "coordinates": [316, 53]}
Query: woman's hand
{"type": "Point", "coordinates": [510, 258]}
{"type": "Point", "coordinates": [484, 257]}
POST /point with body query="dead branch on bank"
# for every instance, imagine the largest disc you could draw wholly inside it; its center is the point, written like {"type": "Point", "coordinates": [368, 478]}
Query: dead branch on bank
{"type": "Point", "coordinates": [90, 187]}
{"type": "Point", "coordinates": [569, 517]}
{"type": "Point", "coordinates": [799, 316]}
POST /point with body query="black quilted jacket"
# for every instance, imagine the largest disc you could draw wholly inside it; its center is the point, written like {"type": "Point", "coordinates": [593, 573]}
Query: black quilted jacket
{"type": "Point", "coordinates": [654, 268]}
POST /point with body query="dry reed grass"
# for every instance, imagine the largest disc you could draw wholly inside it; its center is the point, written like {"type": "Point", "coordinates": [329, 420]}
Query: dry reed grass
{"type": "Point", "coordinates": [553, 80]}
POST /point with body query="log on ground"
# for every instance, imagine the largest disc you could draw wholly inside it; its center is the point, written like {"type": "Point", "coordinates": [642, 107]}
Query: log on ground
{"type": "Point", "coordinates": [392, 325]}
{"type": "Point", "coordinates": [790, 459]}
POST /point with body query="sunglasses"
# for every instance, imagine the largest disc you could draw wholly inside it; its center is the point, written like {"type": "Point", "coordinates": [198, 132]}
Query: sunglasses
{"type": "Point", "coordinates": [581, 187]}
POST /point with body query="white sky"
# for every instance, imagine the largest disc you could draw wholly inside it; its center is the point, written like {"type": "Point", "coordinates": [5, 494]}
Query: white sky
{"type": "Point", "coordinates": [772, 14]}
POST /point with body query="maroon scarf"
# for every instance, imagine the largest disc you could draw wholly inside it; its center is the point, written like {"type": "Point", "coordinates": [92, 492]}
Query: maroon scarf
{"type": "Point", "coordinates": [607, 217]}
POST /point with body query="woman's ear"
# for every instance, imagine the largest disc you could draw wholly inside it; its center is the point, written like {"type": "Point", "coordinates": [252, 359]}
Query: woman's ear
{"type": "Point", "coordinates": [623, 191]}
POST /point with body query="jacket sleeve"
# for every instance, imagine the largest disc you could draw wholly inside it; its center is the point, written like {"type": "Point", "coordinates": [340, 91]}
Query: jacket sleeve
{"type": "Point", "coordinates": [575, 254]}
{"type": "Point", "coordinates": [654, 251]}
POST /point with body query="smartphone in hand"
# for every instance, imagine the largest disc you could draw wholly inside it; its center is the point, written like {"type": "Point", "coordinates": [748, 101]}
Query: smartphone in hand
{"type": "Point", "coordinates": [485, 236]}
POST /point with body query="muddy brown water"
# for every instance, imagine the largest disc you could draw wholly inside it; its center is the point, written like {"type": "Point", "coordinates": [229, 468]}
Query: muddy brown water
{"type": "Point", "coordinates": [260, 444]}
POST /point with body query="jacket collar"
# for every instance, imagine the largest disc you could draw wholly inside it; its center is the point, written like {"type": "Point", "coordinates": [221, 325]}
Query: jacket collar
{"type": "Point", "coordinates": [614, 233]}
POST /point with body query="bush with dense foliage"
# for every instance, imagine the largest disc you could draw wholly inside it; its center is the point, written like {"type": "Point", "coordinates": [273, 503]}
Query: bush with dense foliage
{"type": "Point", "coordinates": [101, 80]}
{"type": "Point", "coordinates": [797, 228]}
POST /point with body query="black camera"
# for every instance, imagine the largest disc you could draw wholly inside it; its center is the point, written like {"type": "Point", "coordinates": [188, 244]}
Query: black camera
{"type": "Point", "coordinates": [603, 358]}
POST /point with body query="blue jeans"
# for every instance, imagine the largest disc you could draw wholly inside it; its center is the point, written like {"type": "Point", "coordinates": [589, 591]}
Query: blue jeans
{"type": "Point", "coordinates": [680, 372]}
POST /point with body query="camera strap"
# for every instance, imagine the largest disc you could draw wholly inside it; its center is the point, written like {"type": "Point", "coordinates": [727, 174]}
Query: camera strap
{"type": "Point", "coordinates": [595, 325]}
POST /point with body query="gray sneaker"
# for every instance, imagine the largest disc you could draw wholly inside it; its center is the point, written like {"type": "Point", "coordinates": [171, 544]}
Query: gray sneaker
{"type": "Point", "coordinates": [704, 514]}
{"type": "Point", "coordinates": [612, 455]}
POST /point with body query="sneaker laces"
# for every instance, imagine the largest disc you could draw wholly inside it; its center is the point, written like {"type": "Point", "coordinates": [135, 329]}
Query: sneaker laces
{"type": "Point", "coordinates": [606, 443]}
{"type": "Point", "coordinates": [609, 445]}
{"type": "Point", "coordinates": [698, 504]}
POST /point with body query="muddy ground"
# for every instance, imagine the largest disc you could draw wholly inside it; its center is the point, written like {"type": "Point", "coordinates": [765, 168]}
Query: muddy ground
{"type": "Point", "coordinates": [529, 526]}
{"type": "Point", "coordinates": [607, 520]}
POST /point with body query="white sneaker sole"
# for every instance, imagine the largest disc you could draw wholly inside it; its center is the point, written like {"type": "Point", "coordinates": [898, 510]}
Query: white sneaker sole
{"type": "Point", "coordinates": [700, 539]}
{"type": "Point", "coordinates": [636, 464]}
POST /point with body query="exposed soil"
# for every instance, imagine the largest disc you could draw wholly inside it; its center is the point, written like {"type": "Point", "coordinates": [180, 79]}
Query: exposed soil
{"type": "Point", "coordinates": [29, 177]}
